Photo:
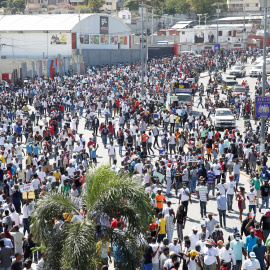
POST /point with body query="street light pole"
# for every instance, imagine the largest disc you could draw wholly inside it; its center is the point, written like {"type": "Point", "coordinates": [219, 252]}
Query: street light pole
{"type": "Point", "coordinates": [142, 56]}
{"type": "Point", "coordinates": [199, 18]}
{"type": "Point", "coordinates": [218, 4]}
{"type": "Point", "coordinates": [264, 76]}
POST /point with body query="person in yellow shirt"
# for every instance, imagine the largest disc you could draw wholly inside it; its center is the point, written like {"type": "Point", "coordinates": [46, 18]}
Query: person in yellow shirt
{"type": "Point", "coordinates": [177, 122]}
{"type": "Point", "coordinates": [2, 158]}
{"type": "Point", "coordinates": [161, 228]}
{"type": "Point", "coordinates": [57, 175]}
{"type": "Point", "coordinates": [103, 250]}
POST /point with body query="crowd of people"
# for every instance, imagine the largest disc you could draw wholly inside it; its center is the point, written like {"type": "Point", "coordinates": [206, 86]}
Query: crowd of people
{"type": "Point", "coordinates": [165, 147]}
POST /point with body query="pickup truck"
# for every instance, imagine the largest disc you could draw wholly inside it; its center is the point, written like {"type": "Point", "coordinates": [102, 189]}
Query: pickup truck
{"type": "Point", "coordinates": [223, 118]}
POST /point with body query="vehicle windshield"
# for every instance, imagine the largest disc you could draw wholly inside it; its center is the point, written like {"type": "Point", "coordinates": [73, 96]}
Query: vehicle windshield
{"type": "Point", "coordinates": [186, 98]}
{"type": "Point", "coordinates": [237, 68]}
{"type": "Point", "coordinates": [223, 113]}
{"type": "Point", "coordinates": [258, 67]}
{"type": "Point", "coordinates": [231, 83]}
{"type": "Point", "coordinates": [240, 89]}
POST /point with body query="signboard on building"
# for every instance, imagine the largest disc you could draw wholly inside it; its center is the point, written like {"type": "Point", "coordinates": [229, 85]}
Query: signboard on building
{"type": "Point", "coordinates": [217, 47]}
{"type": "Point", "coordinates": [58, 40]}
{"type": "Point", "coordinates": [104, 25]}
{"type": "Point", "coordinates": [262, 107]}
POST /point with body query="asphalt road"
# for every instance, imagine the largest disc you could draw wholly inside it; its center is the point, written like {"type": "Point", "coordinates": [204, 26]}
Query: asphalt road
{"type": "Point", "coordinates": [194, 208]}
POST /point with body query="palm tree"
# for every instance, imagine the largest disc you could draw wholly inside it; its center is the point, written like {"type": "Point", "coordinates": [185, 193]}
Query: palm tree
{"type": "Point", "coordinates": [104, 194]}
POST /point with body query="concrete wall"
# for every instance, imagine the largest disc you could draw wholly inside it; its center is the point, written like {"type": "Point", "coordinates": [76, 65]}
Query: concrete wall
{"type": "Point", "coordinates": [100, 57]}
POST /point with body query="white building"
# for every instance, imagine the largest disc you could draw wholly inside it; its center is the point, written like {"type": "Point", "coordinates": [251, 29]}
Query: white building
{"type": "Point", "coordinates": [248, 5]}
{"type": "Point", "coordinates": [47, 36]}
{"type": "Point", "coordinates": [125, 16]}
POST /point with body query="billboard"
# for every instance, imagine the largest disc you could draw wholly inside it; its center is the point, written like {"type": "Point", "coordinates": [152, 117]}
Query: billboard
{"type": "Point", "coordinates": [84, 39]}
{"type": "Point", "coordinates": [262, 107]}
{"type": "Point", "coordinates": [58, 40]}
{"type": "Point", "coordinates": [104, 25]}
{"type": "Point", "coordinates": [114, 40]}
{"type": "Point", "coordinates": [94, 39]}
{"type": "Point", "coordinates": [104, 39]}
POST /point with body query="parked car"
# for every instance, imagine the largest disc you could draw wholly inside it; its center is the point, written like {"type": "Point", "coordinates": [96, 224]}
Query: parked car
{"type": "Point", "coordinates": [223, 118]}
{"type": "Point", "coordinates": [238, 71]}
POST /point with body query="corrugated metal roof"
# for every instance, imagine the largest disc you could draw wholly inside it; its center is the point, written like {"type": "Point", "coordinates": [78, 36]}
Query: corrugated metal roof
{"type": "Point", "coordinates": [41, 22]}
{"type": "Point", "coordinates": [179, 26]}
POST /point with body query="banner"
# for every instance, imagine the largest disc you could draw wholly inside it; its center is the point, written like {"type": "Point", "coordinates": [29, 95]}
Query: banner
{"type": "Point", "coordinates": [104, 25]}
{"type": "Point", "coordinates": [26, 187]}
{"type": "Point", "coordinates": [94, 39]}
{"type": "Point", "coordinates": [262, 107]}
{"type": "Point", "coordinates": [73, 40]}
{"type": "Point", "coordinates": [192, 159]}
{"type": "Point", "coordinates": [84, 39]}
{"type": "Point", "coordinates": [114, 40]}
{"type": "Point", "coordinates": [61, 39]}
{"type": "Point", "coordinates": [104, 39]}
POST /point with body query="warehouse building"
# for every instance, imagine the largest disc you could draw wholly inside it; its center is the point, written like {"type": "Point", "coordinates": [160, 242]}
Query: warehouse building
{"type": "Point", "coordinates": [101, 38]}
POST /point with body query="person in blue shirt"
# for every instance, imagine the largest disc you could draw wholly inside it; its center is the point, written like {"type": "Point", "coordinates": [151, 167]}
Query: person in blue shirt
{"type": "Point", "coordinates": [28, 148]}
{"type": "Point", "coordinates": [250, 241]}
{"type": "Point", "coordinates": [36, 149]}
{"type": "Point", "coordinates": [259, 249]}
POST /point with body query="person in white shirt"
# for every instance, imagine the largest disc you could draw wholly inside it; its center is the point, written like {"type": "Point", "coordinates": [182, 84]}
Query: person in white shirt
{"type": "Point", "coordinates": [36, 183]}
{"type": "Point", "coordinates": [155, 259]}
{"type": "Point", "coordinates": [231, 189]}
{"type": "Point", "coordinates": [194, 237]}
{"type": "Point", "coordinates": [211, 256]}
{"type": "Point", "coordinates": [15, 216]}
{"type": "Point", "coordinates": [25, 211]}
{"type": "Point", "coordinates": [227, 257]}
{"type": "Point", "coordinates": [18, 238]}
{"type": "Point", "coordinates": [175, 247]}
{"type": "Point", "coordinates": [252, 263]}
{"type": "Point", "coordinates": [252, 196]}
{"type": "Point", "coordinates": [222, 188]}
{"type": "Point", "coordinates": [111, 152]}
{"type": "Point", "coordinates": [139, 167]}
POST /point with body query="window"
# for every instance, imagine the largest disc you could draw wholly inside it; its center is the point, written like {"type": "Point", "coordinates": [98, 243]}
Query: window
{"type": "Point", "coordinates": [123, 16]}
{"type": "Point", "coordinates": [247, 5]}
{"type": "Point", "coordinates": [256, 5]}
{"type": "Point", "coordinates": [229, 33]}
{"type": "Point", "coordinates": [128, 16]}
{"type": "Point", "coordinates": [219, 33]}
{"type": "Point", "coordinates": [183, 33]}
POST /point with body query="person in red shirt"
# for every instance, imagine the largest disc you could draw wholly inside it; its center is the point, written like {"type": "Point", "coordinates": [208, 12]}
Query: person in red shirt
{"type": "Point", "coordinates": [115, 221]}
{"type": "Point", "coordinates": [216, 136]}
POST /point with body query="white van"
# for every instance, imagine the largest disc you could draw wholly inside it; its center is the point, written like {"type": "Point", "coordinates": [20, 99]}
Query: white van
{"type": "Point", "coordinates": [258, 69]}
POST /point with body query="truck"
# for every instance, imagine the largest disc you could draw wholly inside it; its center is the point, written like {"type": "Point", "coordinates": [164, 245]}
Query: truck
{"type": "Point", "coordinates": [223, 118]}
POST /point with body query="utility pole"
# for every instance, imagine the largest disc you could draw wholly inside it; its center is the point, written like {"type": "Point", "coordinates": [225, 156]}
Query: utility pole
{"type": "Point", "coordinates": [152, 36]}
{"type": "Point", "coordinates": [217, 4]}
{"type": "Point", "coordinates": [199, 18]}
{"type": "Point", "coordinates": [205, 18]}
{"type": "Point", "coordinates": [244, 28]}
{"type": "Point", "coordinates": [264, 76]}
{"type": "Point", "coordinates": [142, 56]}
{"type": "Point", "coordinates": [80, 44]}
{"type": "Point", "coordinates": [0, 61]}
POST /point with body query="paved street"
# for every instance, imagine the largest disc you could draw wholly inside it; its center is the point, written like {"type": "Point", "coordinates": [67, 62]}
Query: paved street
{"type": "Point", "coordinates": [194, 208]}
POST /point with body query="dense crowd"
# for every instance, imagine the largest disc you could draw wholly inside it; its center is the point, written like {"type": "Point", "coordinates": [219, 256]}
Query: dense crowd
{"type": "Point", "coordinates": [162, 145]}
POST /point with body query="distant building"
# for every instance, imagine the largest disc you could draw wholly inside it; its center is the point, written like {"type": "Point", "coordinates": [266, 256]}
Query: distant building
{"type": "Point", "coordinates": [250, 5]}
{"type": "Point", "coordinates": [125, 16]}
{"type": "Point", "coordinates": [112, 6]}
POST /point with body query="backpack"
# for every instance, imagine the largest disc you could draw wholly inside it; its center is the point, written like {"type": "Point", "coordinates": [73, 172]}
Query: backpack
{"type": "Point", "coordinates": [8, 223]}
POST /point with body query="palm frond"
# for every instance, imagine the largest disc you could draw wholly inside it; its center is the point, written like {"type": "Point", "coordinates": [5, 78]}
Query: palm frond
{"type": "Point", "coordinates": [50, 206]}
{"type": "Point", "coordinates": [79, 247]}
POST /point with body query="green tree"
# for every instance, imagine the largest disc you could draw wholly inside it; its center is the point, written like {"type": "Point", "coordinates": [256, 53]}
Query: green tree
{"type": "Point", "coordinates": [206, 6]}
{"type": "Point", "coordinates": [104, 194]}
{"type": "Point", "coordinates": [132, 5]}
{"type": "Point", "coordinates": [176, 6]}
{"type": "Point", "coordinates": [96, 4]}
